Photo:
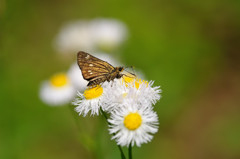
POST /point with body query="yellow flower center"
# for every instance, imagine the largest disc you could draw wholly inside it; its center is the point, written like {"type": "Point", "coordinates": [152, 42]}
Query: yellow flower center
{"type": "Point", "coordinates": [94, 92]}
{"type": "Point", "coordinates": [59, 80]}
{"type": "Point", "coordinates": [130, 79]}
{"type": "Point", "coordinates": [132, 121]}
{"type": "Point", "coordinates": [139, 81]}
{"type": "Point", "coordinates": [124, 95]}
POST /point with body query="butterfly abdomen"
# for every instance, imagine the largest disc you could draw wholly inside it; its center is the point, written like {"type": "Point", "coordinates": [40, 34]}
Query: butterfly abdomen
{"type": "Point", "coordinates": [96, 82]}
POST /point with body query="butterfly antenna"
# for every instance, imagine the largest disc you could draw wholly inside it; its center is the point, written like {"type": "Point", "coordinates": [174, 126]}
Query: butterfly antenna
{"type": "Point", "coordinates": [131, 72]}
{"type": "Point", "coordinates": [132, 67]}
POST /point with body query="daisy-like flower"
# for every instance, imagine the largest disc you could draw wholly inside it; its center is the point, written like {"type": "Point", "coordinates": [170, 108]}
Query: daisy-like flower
{"type": "Point", "coordinates": [133, 124]}
{"type": "Point", "coordinates": [119, 91]}
{"type": "Point", "coordinates": [89, 101]}
{"type": "Point", "coordinates": [73, 37]}
{"type": "Point", "coordinates": [75, 75]}
{"type": "Point", "coordinates": [105, 34]}
{"type": "Point", "coordinates": [108, 33]}
{"type": "Point", "coordinates": [57, 91]}
{"type": "Point", "coordinates": [143, 89]}
{"type": "Point", "coordinates": [114, 94]}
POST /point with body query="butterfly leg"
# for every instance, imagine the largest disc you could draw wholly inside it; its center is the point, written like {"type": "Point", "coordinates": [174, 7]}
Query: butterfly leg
{"type": "Point", "coordinates": [99, 85]}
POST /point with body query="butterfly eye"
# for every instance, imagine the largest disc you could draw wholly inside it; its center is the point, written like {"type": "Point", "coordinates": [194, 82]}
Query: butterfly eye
{"type": "Point", "coordinates": [120, 68]}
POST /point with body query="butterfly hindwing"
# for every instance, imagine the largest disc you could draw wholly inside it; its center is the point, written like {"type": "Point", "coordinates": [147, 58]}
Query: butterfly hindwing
{"type": "Point", "coordinates": [97, 80]}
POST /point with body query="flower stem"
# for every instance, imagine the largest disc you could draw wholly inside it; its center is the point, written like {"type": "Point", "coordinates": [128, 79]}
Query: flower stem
{"type": "Point", "coordinates": [119, 147]}
{"type": "Point", "coordinates": [86, 140]}
{"type": "Point", "coordinates": [130, 151]}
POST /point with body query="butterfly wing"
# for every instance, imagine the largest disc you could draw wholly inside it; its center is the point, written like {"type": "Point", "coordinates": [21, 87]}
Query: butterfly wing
{"type": "Point", "coordinates": [93, 68]}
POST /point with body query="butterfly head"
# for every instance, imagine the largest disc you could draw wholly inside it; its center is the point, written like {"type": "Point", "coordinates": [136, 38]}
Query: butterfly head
{"type": "Point", "coordinates": [120, 69]}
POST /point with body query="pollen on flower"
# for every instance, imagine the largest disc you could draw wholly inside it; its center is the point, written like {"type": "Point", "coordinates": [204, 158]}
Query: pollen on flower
{"type": "Point", "coordinates": [139, 81]}
{"type": "Point", "coordinates": [124, 95]}
{"type": "Point", "coordinates": [132, 121]}
{"type": "Point", "coordinates": [94, 92]}
{"type": "Point", "coordinates": [59, 80]}
{"type": "Point", "coordinates": [129, 79]}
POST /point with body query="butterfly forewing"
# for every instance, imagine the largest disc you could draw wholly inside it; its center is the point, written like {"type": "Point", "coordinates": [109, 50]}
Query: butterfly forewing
{"type": "Point", "coordinates": [93, 68]}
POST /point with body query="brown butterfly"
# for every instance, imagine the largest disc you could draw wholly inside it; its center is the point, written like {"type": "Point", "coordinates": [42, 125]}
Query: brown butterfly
{"type": "Point", "coordinates": [97, 71]}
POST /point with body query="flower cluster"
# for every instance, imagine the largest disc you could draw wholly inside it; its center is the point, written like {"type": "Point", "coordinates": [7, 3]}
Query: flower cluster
{"type": "Point", "coordinates": [129, 101]}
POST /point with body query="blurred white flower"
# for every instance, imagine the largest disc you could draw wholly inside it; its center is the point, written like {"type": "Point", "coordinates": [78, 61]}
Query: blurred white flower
{"type": "Point", "coordinates": [75, 75]}
{"type": "Point", "coordinates": [103, 34]}
{"type": "Point", "coordinates": [108, 58]}
{"type": "Point", "coordinates": [133, 124]}
{"type": "Point", "coordinates": [73, 37]}
{"type": "Point", "coordinates": [89, 101]}
{"type": "Point", "coordinates": [57, 91]}
{"type": "Point", "coordinates": [108, 33]}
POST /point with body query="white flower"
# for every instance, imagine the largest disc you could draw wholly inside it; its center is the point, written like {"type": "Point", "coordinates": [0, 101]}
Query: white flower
{"type": "Point", "coordinates": [89, 101]}
{"type": "Point", "coordinates": [75, 75]}
{"type": "Point", "coordinates": [145, 92]}
{"type": "Point", "coordinates": [114, 94]}
{"type": "Point", "coordinates": [57, 91]}
{"type": "Point", "coordinates": [120, 91]}
{"type": "Point", "coordinates": [90, 35]}
{"type": "Point", "coordinates": [133, 124]}
{"type": "Point", "coordinates": [142, 90]}
{"type": "Point", "coordinates": [108, 33]}
{"type": "Point", "coordinates": [74, 37]}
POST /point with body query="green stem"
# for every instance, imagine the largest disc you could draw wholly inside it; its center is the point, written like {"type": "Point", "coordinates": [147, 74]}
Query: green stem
{"type": "Point", "coordinates": [119, 147]}
{"type": "Point", "coordinates": [85, 138]}
{"type": "Point", "coordinates": [130, 151]}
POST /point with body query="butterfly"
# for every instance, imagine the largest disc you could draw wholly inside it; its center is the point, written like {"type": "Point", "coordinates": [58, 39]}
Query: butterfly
{"type": "Point", "coordinates": [97, 71]}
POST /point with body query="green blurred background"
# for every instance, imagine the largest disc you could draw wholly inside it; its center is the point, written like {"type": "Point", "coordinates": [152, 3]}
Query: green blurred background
{"type": "Point", "coordinates": [190, 48]}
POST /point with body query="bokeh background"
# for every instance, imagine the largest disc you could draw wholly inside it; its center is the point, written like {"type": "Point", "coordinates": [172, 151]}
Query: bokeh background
{"type": "Point", "coordinates": [190, 48]}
